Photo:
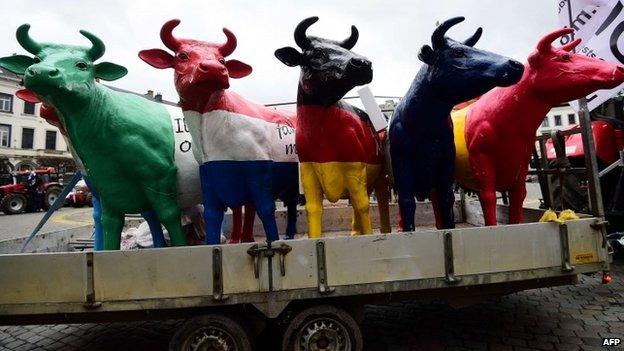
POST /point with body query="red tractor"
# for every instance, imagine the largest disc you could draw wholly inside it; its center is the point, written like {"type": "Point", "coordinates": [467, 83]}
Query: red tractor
{"type": "Point", "coordinates": [30, 191]}
{"type": "Point", "coordinates": [608, 132]}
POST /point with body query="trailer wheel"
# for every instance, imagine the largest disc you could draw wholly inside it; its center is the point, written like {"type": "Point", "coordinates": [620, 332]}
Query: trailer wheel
{"type": "Point", "coordinates": [323, 327]}
{"type": "Point", "coordinates": [211, 332]}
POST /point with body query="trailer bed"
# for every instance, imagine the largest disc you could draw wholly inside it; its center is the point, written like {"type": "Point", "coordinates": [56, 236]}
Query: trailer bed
{"type": "Point", "coordinates": [96, 286]}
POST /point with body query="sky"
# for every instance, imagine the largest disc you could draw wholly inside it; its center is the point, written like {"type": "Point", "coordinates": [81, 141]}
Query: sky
{"type": "Point", "coordinates": [391, 33]}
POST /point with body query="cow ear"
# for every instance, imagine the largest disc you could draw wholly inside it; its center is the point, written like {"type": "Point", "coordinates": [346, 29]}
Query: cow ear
{"type": "Point", "coordinates": [426, 54]}
{"type": "Point", "coordinates": [109, 71]}
{"type": "Point", "coordinates": [289, 56]}
{"type": "Point", "coordinates": [237, 69]}
{"type": "Point", "coordinates": [534, 60]}
{"type": "Point", "coordinates": [157, 58]}
{"type": "Point", "coordinates": [16, 63]}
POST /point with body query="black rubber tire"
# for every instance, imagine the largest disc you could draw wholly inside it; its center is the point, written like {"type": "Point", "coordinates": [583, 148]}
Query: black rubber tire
{"type": "Point", "coordinates": [8, 204]}
{"type": "Point", "coordinates": [295, 333]}
{"type": "Point", "coordinates": [51, 190]}
{"type": "Point", "coordinates": [228, 330]}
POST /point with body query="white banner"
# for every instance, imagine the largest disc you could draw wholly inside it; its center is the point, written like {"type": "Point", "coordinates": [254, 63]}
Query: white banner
{"type": "Point", "coordinates": [606, 43]}
{"type": "Point", "coordinates": [585, 16]}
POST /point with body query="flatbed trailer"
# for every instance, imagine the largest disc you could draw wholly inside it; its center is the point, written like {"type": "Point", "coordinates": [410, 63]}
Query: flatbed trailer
{"type": "Point", "coordinates": [310, 291]}
{"type": "Point", "coordinates": [314, 288]}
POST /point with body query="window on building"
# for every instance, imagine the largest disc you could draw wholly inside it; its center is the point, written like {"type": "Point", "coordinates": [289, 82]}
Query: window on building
{"type": "Point", "coordinates": [557, 120]}
{"type": "Point", "coordinates": [545, 122]}
{"type": "Point", "coordinates": [28, 135]}
{"type": "Point", "coordinates": [5, 135]}
{"type": "Point", "coordinates": [571, 118]}
{"type": "Point", "coordinates": [29, 108]}
{"type": "Point", "coordinates": [6, 102]}
{"type": "Point", "coordinates": [50, 140]}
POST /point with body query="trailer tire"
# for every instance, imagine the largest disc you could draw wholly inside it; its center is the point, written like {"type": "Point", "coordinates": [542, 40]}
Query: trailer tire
{"type": "Point", "coordinates": [212, 332]}
{"type": "Point", "coordinates": [325, 327]}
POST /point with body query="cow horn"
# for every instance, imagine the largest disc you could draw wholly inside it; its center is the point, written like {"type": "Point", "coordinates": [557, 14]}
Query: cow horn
{"type": "Point", "coordinates": [301, 38]}
{"type": "Point", "coordinates": [26, 41]}
{"type": "Point", "coordinates": [166, 34]}
{"type": "Point", "coordinates": [229, 46]}
{"type": "Point", "coordinates": [571, 45]}
{"type": "Point", "coordinates": [474, 38]}
{"type": "Point", "coordinates": [544, 44]}
{"type": "Point", "coordinates": [437, 38]}
{"type": "Point", "coordinates": [349, 43]}
{"type": "Point", "coordinates": [97, 46]}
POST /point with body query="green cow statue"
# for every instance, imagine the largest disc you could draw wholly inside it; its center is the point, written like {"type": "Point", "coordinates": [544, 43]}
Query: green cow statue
{"type": "Point", "coordinates": [125, 141]}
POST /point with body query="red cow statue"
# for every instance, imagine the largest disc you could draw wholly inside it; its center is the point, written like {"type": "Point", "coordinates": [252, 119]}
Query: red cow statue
{"type": "Point", "coordinates": [495, 136]}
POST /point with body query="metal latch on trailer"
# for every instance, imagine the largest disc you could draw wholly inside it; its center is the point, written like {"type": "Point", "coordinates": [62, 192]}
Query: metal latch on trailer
{"type": "Point", "coordinates": [258, 251]}
{"type": "Point", "coordinates": [449, 260]}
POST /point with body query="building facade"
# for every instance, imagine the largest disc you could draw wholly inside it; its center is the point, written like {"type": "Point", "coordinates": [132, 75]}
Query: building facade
{"type": "Point", "coordinates": [559, 117]}
{"type": "Point", "coordinates": [25, 139]}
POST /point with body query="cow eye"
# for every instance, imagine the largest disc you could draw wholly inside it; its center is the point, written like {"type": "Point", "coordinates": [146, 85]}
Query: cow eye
{"type": "Point", "coordinates": [565, 57]}
{"type": "Point", "coordinates": [183, 56]}
{"type": "Point", "coordinates": [318, 54]}
{"type": "Point", "coordinates": [222, 61]}
{"type": "Point", "coordinates": [458, 53]}
{"type": "Point", "coordinates": [36, 59]}
{"type": "Point", "coordinates": [81, 65]}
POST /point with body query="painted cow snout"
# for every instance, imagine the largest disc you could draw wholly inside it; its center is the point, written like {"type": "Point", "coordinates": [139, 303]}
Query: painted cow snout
{"type": "Point", "coordinates": [359, 63]}
{"type": "Point", "coordinates": [513, 73]}
{"type": "Point", "coordinates": [211, 71]}
{"type": "Point", "coordinates": [618, 74]}
{"type": "Point", "coordinates": [209, 66]}
{"type": "Point", "coordinates": [45, 71]}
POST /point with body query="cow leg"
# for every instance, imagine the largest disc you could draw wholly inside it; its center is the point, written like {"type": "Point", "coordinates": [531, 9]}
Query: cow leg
{"type": "Point", "coordinates": [437, 213]}
{"type": "Point", "coordinates": [382, 191]}
{"type": "Point", "coordinates": [265, 207]}
{"type": "Point", "coordinates": [516, 199]}
{"type": "Point", "coordinates": [213, 216]}
{"type": "Point", "coordinates": [484, 171]}
{"type": "Point", "coordinates": [237, 225]}
{"type": "Point", "coordinates": [112, 224]}
{"type": "Point", "coordinates": [98, 242]}
{"type": "Point", "coordinates": [169, 214]}
{"type": "Point", "coordinates": [405, 179]}
{"type": "Point", "coordinates": [314, 200]}
{"type": "Point", "coordinates": [98, 232]}
{"type": "Point", "coordinates": [356, 221]}
{"type": "Point", "coordinates": [356, 184]}
{"type": "Point", "coordinates": [158, 237]}
{"type": "Point", "coordinates": [445, 218]}
{"type": "Point", "coordinates": [260, 183]}
{"type": "Point", "coordinates": [291, 214]}
{"type": "Point", "coordinates": [250, 216]}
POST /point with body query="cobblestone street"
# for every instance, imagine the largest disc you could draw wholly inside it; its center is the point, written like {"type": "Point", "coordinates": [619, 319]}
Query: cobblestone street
{"type": "Point", "coordinates": [561, 318]}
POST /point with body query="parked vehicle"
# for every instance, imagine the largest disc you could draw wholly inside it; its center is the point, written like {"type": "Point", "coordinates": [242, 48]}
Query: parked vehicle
{"type": "Point", "coordinates": [570, 192]}
{"type": "Point", "coordinates": [30, 191]}
{"type": "Point", "coordinates": [80, 196]}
